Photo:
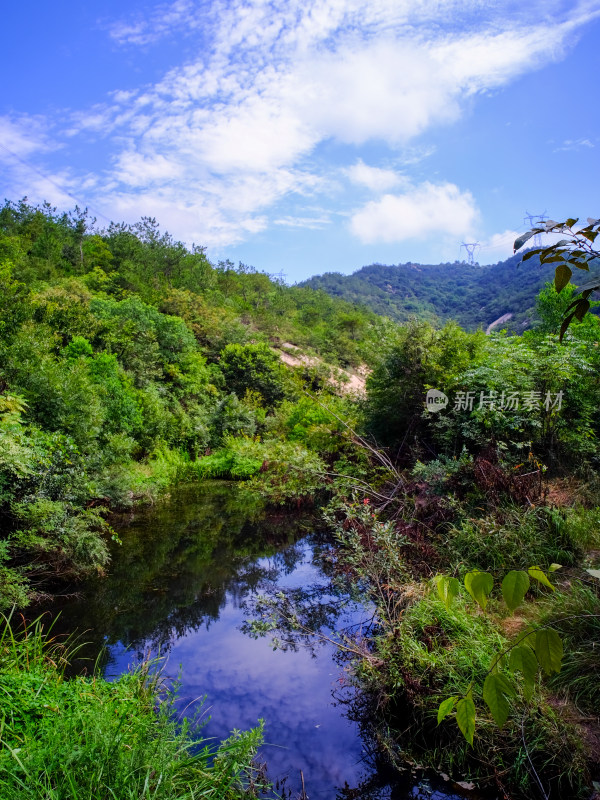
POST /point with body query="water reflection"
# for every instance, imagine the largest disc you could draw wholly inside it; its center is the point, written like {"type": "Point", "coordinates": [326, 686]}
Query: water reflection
{"type": "Point", "coordinates": [180, 563]}
{"type": "Point", "coordinates": [177, 586]}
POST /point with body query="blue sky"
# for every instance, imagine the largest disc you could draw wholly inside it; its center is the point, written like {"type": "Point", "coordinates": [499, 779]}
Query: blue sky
{"type": "Point", "coordinates": [307, 136]}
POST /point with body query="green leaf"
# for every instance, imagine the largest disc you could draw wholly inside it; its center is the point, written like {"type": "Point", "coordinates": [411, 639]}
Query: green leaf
{"type": "Point", "coordinates": [447, 589]}
{"type": "Point", "coordinates": [572, 305]}
{"type": "Point", "coordinates": [496, 691]}
{"type": "Point", "coordinates": [465, 717]}
{"type": "Point", "coordinates": [549, 650]}
{"type": "Point", "coordinates": [479, 585]}
{"type": "Point", "coordinates": [523, 660]}
{"type": "Point", "coordinates": [514, 588]}
{"type": "Point", "coordinates": [589, 285]}
{"type": "Point", "coordinates": [581, 309]}
{"type": "Point", "coordinates": [522, 239]}
{"type": "Point", "coordinates": [552, 258]}
{"type": "Point", "coordinates": [445, 708]}
{"type": "Point", "coordinates": [554, 567]}
{"type": "Point", "coordinates": [528, 639]}
{"type": "Point", "coordinates": [548, 251]}
{"type": "Point", "coordinates": [539, 575]}
{"type": "Point", "coordinates": [562, 275]}
{"type": "Point", "coordinates": [565, 325]}
{"type": "Point", "coordinates": [571, 221]}
{"type": "Point", "coordinates": [595, 573]}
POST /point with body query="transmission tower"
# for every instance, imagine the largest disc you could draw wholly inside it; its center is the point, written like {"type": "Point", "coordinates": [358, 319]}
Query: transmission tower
{"type": "Point", "coordinates": [470, 247]}
{"type": "Point", "coordinates": [279, 276]}
{"type": "Point", "coordinates": [533, 220]}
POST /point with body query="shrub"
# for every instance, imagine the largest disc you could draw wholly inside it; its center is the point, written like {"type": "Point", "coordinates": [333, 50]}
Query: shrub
{"type": "Point", "coordinates": [13, 584]}
{"type": "Point", "coordinates": [56, 532]}
{"type": "Point", "coordinates": [239, 459]}
{"type": "Point", "coordinates": [255, 367]}
{"type": "Point", "coordinates": [232, 417]}
{"type": "Point", "coordinates": [311, 423]}
{"type": "Point", "coordinates": [290, 474]}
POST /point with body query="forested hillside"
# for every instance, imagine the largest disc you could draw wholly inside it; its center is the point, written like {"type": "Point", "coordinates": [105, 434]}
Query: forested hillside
{"type": "Point", "coordinates": [473, 295]}
{"type": "Point", "coordinates": [124, 357]}
{"type": "Point", "coordinates": [129, 363]}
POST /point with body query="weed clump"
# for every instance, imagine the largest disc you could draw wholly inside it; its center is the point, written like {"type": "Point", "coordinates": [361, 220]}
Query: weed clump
{"type": "Point", "coordinates": [88, 738]}
{"type": "Point", "coordinates": [512, 538]}
{"type": "Point", "coordinates": [576, 617]}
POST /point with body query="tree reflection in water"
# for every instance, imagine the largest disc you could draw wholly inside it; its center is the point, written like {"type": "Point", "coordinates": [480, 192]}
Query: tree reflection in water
{"type": "Point", "coordinates": [180, 562]}
{"type": "Point", "coordinates": [181, 584]}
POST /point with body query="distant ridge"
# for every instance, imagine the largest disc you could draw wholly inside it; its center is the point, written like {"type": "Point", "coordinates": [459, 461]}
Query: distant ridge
{"type": "Point", "coordinates": [473, 295]}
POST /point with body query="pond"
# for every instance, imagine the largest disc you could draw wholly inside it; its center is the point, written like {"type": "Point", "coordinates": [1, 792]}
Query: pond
{"type": "Point", "coordinates": [178, 586]}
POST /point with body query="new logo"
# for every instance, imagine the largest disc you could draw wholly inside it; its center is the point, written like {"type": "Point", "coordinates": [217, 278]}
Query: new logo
{"type": "Point", "coordinates": [435, 401]}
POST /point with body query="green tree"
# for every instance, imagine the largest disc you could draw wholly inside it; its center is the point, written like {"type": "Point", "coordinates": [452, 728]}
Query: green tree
{"type": "Point", "coordinates": [232, 417]}
{"type": "Point", "coordinates": [574, 251]}
{"type": "Point", "coordinates": [254, 367]}
{"type": "Point", "coordinates": [419, 357]}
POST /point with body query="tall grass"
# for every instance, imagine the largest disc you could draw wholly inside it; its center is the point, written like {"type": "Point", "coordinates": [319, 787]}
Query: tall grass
{"type": "Point", "coordinates": [88, 739]}
{"type": "Point", "coordinates": [512, 538]}
{"type": "Point", "coordinates": [576, 616]}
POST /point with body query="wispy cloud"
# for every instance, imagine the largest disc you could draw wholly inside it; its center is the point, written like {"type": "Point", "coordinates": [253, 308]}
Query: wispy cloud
{"type": "Point", "coordinates": [220, 140]}
{"type": "Point", "coordinates": [309, 223]}
{"type": "Point", "coordinates": [497, 247]}
{"type": "Point", "coordinates": [23, 136]}
{"type": "Point", "coordinates": [23, 141]}
{"type": "Point", "coordinates": [575, 144]}
{"type": "Point", "coordinates": [377, 179]}
{"type": "Point", "coordinates": [164, 19]}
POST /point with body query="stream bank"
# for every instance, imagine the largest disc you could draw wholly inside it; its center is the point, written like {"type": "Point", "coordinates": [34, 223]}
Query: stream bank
{"type": "Point", "coordinates": [177, 588]}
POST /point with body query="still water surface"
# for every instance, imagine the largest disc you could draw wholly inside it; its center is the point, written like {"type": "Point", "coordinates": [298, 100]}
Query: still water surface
{"type": "Point", "coordinates": [178, 585]}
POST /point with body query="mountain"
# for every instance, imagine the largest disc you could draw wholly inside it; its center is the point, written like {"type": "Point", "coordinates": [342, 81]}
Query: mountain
{"type": "Point", "coordinates": [473, 295]}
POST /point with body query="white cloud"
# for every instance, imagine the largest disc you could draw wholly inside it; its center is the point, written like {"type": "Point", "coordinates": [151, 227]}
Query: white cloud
{"type": "Point", "coordinates": [497, 247]}
{"type": "Point", "coordinates": [278, 78]}
{"type": "Point", "coordinates": [482, 61]}
{"type": "Point", "coordinates": [375, 178]}
{"type": "Point", "coordinates": [390, 89]}
{"type": "Point", "coordinates": [575, 144]}
{"type": "Point", "coordinates": [136, 169]}
{"type": "Point", "coordinates": [149, 28]}
{"type": "Point", "coordinates": [22, 136]}
{"type": "Point", "coordinates": [310, 223]}
{"type": "Point", "coordinates": [200, 221]}
{"type": "Point", "coordinates": [425, 210]}
{"type": "Point", "coordinates": [238, 125]}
